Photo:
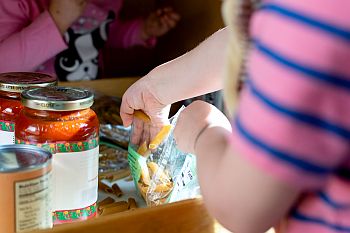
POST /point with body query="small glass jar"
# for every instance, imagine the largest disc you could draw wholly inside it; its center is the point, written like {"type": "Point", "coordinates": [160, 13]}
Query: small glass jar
{"type": "Point", "coordinates": [11, 86]}
{"type": "Point", "coordinates": [60, 120]}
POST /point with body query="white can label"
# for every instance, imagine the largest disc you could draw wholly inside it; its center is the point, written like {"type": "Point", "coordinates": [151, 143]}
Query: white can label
{"type": "Point", "coordinates": [34, 204]}
{"type": "Point", "coordinates": [7, 137]}
{"type": "Point", "coordinates": [75, 178]}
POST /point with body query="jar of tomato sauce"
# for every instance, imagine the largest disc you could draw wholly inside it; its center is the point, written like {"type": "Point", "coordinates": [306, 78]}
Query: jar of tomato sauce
{"type": "Point", "coordinates": [11, 86]}
{"type": "Point", "coordinates": [60, 120]}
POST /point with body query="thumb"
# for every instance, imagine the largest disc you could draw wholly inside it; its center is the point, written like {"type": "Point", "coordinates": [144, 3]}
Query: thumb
{"type": "Point", "coordinates": [126, 118]}
{"type": "Point", "coordinates": [126, 113]}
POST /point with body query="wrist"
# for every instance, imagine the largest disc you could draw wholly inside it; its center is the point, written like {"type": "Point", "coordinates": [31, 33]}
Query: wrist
{"type": "Point", "coordinates": [61, 24]}
{"type": "Point", "coordinates": [157, 83]}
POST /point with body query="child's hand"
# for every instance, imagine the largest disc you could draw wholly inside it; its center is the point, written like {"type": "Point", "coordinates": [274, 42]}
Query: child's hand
{"type": "Point", "coordinates": [194, 120]}
{"type": "Point", "coordinates": [141, 96]}
{"type": "Point", "coordinates": [159, 23]}
{"type": "Point", "coordinates": [65, 12]}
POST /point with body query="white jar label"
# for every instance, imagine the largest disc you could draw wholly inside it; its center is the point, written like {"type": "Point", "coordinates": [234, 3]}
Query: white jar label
{"type": "Point", "coordinates": [75, 178]}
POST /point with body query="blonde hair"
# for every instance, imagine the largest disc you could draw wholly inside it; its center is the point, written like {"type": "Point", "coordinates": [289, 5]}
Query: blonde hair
{"type": "Point", "coordinates": [235, 54]}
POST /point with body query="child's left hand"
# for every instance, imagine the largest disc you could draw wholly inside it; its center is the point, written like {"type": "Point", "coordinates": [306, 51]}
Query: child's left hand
{"type": "Point", "coordinates": [159, 23]}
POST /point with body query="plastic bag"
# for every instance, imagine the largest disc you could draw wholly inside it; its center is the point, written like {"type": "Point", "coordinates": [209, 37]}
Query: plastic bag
{"type": "Point", "coordinates": [161, 172]}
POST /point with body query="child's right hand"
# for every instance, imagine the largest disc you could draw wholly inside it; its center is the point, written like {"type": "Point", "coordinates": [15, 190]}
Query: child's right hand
{"type": "Point", "coordinates": [141, 96]}
{"type": "Point", "coordinates": [158, 23]}
{"type": "Point", "coordinates": [65, 12]}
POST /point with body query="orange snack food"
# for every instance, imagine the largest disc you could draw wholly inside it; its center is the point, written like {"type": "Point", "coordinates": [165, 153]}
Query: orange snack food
{"type": "Point", "coordinates": [11, 86]}
{"type": "Point", "coordinates": [141, 115]}
{"type": "Point", "coordinates": [60, 120]}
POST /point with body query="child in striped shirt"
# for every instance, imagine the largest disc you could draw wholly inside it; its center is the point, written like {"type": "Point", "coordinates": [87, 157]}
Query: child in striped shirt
{"type": "Point", "coordinates": [286, 159]}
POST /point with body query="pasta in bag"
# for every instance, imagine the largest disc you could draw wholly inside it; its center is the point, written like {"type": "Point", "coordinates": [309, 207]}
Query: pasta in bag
{"type": "Point", "coordinates": [161, 172]}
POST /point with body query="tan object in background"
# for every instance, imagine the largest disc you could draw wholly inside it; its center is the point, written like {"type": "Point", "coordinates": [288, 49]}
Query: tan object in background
{"type": "Point", "coordinates": [114, 204]}
{"type": "Point", "coordinates": [114, 208]}
{"type": "Point", "coordinates": [132, 203]}
{"type": "Point", "coordinates": [116, 190]}
{"type": "Point", "coordinates": [106, 201]}
{"type": "Point", "coordinates": [104, 187]}
{"type": "Point", "coordinates": [115, 175]}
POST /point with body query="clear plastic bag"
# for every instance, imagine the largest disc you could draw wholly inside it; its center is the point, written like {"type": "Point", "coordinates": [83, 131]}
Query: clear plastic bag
{"type": "Point", "coordinates": [161, 172]}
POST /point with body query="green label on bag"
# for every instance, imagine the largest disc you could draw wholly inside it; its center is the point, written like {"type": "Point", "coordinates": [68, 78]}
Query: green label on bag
{"type": "Point", "coordinates": [135, 161]}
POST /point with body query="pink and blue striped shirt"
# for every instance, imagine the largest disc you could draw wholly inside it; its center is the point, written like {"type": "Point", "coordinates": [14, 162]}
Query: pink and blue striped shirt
{"type": "Point", "coordinates": [293, 120]}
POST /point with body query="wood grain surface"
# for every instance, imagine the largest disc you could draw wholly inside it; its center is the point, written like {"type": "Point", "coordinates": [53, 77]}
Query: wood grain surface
{"type": "Point", "coordinates": [188, 216]}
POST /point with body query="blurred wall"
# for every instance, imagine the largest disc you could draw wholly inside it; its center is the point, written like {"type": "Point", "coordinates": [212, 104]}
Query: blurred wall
{"type": "Point", "coordinates": [199, 19]}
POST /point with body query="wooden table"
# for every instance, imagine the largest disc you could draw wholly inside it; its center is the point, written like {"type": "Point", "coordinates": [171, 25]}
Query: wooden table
{"type": "Point", "coordinates": [186, 216]}
{"type": "Point", "coordinates": [112, 87]}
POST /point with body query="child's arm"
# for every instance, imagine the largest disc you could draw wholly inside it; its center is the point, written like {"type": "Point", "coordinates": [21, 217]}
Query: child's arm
{"type": "Point", "coordinates": [28, 38]}
{"type": "Point", "coordinates": [197, 72]}
{"type": "Point", "coordinates": [243, 198]}
{"type": "Point", "coordinates": [24, 48]}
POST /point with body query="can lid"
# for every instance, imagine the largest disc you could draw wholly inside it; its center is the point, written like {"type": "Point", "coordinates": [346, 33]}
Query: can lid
{"type": "Point", "coordinates": [20, 81]}
{"type": "Point", "coordinates": [14, 158]}
{"type": "Point", "coordinates": [57, 98]}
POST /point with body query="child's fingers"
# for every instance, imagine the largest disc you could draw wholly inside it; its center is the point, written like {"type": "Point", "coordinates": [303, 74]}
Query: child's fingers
{"type": "Point", "coordinates": [170, 19]}
{"type": "Point", "coordinates": [174, 16]}
{"type": "Point", "coordinates": [137, 131]}
{"type": "Point", "coordinates": [146, 134]}
{"type": "Point", "coordinates": [126, 118]}
{"type": "Point", "coordinates": [126, 113]}
{"type": "Point", "coordinates": [170, 23]}
{"type": "Point", "coordinates": [163, 22]}
{"type": "Point", "coordinates": [167, 9]}
{"type": "Point", "coordinates": [159, 12]}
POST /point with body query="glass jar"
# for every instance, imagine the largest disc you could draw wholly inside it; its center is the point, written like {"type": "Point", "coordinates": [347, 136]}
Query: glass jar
{"type": "Point", "coordinates": [11, 86]}
{"type": "Point", "coordinates": [60, 120]}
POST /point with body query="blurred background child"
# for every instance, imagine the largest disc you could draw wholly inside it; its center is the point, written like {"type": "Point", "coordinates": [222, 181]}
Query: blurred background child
{"type": "Point", "coordinates": [65, 37]}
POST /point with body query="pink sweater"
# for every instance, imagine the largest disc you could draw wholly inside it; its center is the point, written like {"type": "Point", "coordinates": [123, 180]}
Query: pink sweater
{"type": "Point", "coordinates": [30, 40]}
{"type": "Point", "coordinates": [293, 120]}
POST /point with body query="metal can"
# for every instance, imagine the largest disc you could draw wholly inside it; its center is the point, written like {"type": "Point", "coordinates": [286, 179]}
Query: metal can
{"type": "Point", "coordinates": [11, 86]}
{"type": "Point", "coordinates": [60, 120]}
{"type": "Point", "coordinates": [26, 191]}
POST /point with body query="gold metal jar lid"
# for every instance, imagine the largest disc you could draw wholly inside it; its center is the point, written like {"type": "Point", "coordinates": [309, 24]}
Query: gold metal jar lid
{"type": "Point", "coordinates": [20, 81]}
{"type": "Point", "coordinates": [57, 98]}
